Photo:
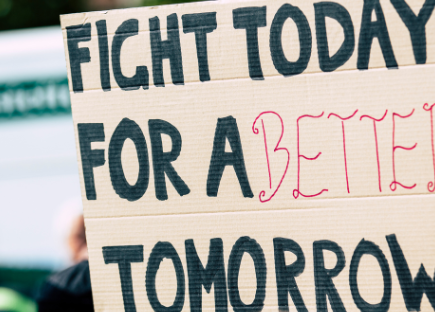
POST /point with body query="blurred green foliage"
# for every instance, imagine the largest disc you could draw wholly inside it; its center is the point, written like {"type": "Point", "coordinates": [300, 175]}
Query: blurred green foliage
{"type": "Point", "coordinates": [162, 2]}
{"type": "Point", "coordinates": [16, 14]}
{"type": "Point", "coordinates": [25, 281]}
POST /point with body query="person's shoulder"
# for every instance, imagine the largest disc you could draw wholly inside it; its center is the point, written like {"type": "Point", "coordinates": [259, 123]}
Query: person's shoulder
{"type": "Point", "coordinates": [75, 280]}
{"type": "Point", "coordinates": [68, 290]}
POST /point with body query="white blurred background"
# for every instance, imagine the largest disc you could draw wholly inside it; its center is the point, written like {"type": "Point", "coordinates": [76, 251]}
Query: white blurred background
{"type": "Point", "coordinates": [39, 184]}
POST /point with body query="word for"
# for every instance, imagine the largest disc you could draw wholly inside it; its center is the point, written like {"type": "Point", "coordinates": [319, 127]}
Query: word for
{"type": "Point", "coordinates": [248, 19]}
{"type": "Point", "coordinates": [226, 129]}
{"type": "Point", "coordinates": [226, 282]}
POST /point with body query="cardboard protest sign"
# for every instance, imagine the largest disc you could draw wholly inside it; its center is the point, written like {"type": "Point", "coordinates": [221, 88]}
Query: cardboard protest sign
{"type": "Point", "coordinates": [257, 155]}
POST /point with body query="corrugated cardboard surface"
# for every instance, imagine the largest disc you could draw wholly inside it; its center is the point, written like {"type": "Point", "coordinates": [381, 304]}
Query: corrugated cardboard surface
{"type": "Point", "coordinates": [347, 226]}
{"type": "Point", "coordinates": [363, 206]}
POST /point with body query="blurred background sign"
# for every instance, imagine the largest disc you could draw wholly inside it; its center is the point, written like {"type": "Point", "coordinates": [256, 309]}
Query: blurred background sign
{"type": "Point", "coordinates": [33, 73]}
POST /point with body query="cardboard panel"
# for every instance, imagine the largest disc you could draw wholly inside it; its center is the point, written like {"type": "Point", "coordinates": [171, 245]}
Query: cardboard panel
{"type": "Point", "coordinates": [279, 122]}
{"type": "Point", "coordinates": [372, 220]}
{"type": "Point", "coordinates": [371, 93]}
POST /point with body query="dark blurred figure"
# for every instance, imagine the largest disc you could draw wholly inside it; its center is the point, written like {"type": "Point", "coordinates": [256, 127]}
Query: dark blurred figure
{"type": "Point", "coordinates": [70, 290]}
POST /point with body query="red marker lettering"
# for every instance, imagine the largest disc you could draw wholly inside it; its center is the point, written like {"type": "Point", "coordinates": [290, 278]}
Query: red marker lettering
{"type": "Point", "coordinates": [277, 148]}
{"type": "Point", "coordinates": [393, 185]}
{"type": "Point", "coordinates": [344, 142]}
{"type": "Point", "coordinates": [297, 192]}
{"type": "Point", "coordinates": [376, 143]}
{"type": "Point", "coordinates": [431, 184]}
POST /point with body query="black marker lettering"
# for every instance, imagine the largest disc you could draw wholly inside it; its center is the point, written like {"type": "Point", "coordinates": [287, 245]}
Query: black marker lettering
{"type": "Point", "coordinates": [74, 35]}
{"type": "Point", "coordinates": [201, 24]}
{"type": "Point", "coordinates": [369, 248]}
{"type": "Point", "coordinates": [124, 256]}
{"type": "Point", "coordinates": [170, 49]}
{"type": "Point", "coordinates": [127, 29]}
{"type": "Point", "coordinates": [369, 30]}
{"type": "Point", "coordinates": [282, 65]}
{"type": "Point", "coordinates": [416, 26]}
{"type": "Point", "coordinates": [103, 47]}
{"type": "Point", "coordinates": [88, 133]}
{"type": "Point", "coordinates": [250, 19]}
{"type": "Point", "coordinates": [161, 251]}
{"type": "Point", "coordinates": [162, 161]}
{"type": "Point", "coordinates": [341, 15]}
{"type": "Point", "coordinates": [323, 277]}
{"type": "Point", "coordinates": [226, 128]}
{"type": "Point", "coordinates": [412, 290]}
{"type": "Point", "coordinates": [285, 274]}
{"type": "Point", "coordinates": [246, 244]}
{"type": "Point", "coordinates": [128, 129]}
{"type": "Point", "coordinates": [214, 272]}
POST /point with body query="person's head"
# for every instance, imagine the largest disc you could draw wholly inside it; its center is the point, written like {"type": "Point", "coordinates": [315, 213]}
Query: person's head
{"type": "Point", "coordinates": [77, 240]}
